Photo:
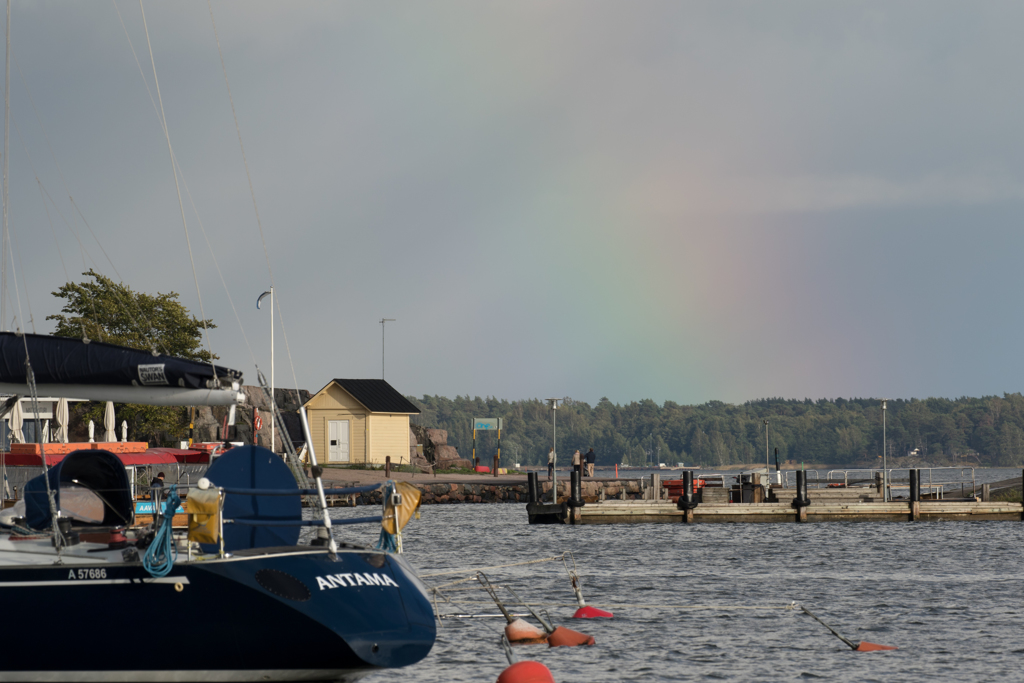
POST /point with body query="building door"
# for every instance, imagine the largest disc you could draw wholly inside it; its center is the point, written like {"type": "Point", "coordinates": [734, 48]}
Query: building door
{"type": "Point", "coordinates": [337, 441]}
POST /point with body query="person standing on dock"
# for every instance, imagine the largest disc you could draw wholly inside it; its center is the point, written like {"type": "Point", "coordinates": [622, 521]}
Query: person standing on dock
{"type": "Point", "coordinates": [551, 463]}
{"type": "Point", "coordinates": [591, 459]}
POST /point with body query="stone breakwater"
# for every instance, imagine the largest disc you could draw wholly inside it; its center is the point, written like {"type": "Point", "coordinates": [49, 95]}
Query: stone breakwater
{"type": "Point", "coordinates": [472, 492]}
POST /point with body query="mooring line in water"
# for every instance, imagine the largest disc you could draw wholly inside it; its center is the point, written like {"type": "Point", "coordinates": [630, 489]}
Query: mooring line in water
{"type": "Point", "coordinates": [862, 646]}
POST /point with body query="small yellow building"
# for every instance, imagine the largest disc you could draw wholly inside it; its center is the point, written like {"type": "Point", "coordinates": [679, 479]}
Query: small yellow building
{"type": "Point", "coordinates": [360, 421]}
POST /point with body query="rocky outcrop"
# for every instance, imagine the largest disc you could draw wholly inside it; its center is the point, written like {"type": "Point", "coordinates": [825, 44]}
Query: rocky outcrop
{"type": "Point", "coordinates": [445, 457]}
{"type": "Point", "coordinates": [209, 421]}
{"type": "Point", "coordinates": [435, 445]}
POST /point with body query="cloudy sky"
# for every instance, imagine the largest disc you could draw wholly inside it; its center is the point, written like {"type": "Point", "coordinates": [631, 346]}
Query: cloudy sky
{"type": "Point", "coordinates": [673, 200]}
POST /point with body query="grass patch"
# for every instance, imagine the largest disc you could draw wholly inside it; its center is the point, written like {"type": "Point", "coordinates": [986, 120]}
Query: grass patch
{"type": "Point", "coordinates": [1008, 496]}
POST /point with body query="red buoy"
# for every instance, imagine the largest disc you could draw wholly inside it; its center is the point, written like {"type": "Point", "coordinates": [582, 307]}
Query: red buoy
{"type": "Point", "coordinates": [591, 613]}
{"type": "Point", "coordinates": [865, 646]}
{"type": "Point", "coordinates": [566, 637]}
{"type": "Point", "coordinates": [520, 632]}
{"type": "Point", "coordinates": [526, 672]}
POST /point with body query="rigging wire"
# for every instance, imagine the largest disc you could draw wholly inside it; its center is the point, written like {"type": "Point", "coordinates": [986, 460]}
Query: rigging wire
{"type": "Point", "coordinates": [53, 231]}
{"type": "Point", "coordinates": [7, 163]}
{"type": "Point", "coordinates": [125, 302]}
{"type": "Point", "coordinates": [181, 206]}
{"type": "Point", "coordinates": [259, 223]}
{"type": "Point", "coordinates": [188, 192]}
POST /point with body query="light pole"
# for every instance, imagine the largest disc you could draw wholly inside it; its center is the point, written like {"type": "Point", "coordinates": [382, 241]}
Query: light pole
{"type": "Point", "coordinates": [273, 431]}
{"type": "Point", "coordinates": [885, 468]}
{"type": "Point", "coordinates": [554, 449]}
{"type": "Point", "coordinates": [382, 322]}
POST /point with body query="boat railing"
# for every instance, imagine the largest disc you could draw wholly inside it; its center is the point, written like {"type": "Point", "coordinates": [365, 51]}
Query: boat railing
{"type": "Point", "coordinates": [349, 491]}
{"type": "Point", "coordinates": [786, 482]}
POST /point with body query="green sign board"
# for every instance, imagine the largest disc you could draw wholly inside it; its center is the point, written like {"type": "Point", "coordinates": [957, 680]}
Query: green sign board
{"type": "Point", "coordinates": [484, 423]}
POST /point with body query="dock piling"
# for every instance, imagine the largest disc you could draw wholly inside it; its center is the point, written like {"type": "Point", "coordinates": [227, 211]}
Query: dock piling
{"type": "Point", "coordinates": [915, 495]}
{"type": "Point", "coordinates": [575, 492]}
{"type": "Point", "coordinates": [801, 501]}
{"type": "Point", "coordinates": [532, 488]}
{"type": "Point", "coordinates": [686, 501]}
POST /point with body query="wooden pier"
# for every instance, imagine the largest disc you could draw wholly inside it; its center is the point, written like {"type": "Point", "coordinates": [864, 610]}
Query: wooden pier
{"type": "Point", "coordinates": [666, 512]}
{"type": "Point", "coordinates": [774, 505]}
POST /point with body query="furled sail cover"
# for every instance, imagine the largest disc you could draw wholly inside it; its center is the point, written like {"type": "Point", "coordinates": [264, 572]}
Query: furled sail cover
{"type": "Point", "coordinates": [255, 467]}
{"type": "Point", "coordinates": [97, 471]}
{"type": "Point", "coordinates": [62, 360]}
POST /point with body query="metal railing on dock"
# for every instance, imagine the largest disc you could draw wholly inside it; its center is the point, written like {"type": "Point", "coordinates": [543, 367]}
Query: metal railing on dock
{"type": "Point", "coordinates": [936, 481]}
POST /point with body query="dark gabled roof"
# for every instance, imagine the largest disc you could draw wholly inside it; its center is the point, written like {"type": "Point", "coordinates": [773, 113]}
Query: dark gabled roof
{"type": "Point", "coordinates": [377, 396]}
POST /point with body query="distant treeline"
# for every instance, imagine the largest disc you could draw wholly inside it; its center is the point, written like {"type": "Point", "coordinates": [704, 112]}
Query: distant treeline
{"type": "Point", "coordinates": [970, 431]}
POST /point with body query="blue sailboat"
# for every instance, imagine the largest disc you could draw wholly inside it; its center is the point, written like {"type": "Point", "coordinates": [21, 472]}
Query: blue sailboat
{"type": "Point", "coordinates": [236, 598]}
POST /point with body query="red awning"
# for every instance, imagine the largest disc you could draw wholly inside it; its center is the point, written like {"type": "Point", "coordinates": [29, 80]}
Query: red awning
{"type": "Point", "coordinates": [29, 460]}
{"type": "Point", "coordinates": [182, 455]}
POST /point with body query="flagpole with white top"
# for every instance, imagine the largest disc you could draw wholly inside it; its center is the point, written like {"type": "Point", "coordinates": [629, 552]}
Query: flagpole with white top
{"type": "Point", "coordinates": [271, 295]}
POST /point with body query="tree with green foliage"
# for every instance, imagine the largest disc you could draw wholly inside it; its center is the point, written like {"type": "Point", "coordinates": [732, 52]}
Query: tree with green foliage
{"type": "Point", "coordinates": [843, 432]}
{"type": "Point", "coordinates": [100, 309]}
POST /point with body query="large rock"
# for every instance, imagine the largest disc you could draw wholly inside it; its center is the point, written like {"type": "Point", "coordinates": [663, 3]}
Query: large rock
{"type": "Point", "coordinates": [437, 437]}
{"type": "Point", "coordinates": [444, 454]}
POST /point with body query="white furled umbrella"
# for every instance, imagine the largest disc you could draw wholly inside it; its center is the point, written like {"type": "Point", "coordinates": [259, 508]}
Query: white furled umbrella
{"type": "Point", "coordinates": [109, 425]}
{"type": "Point", "coordinates": [62, 421]}
{"type": "Point", "coordinates": [92, 431]}
{"type": "Point", "coordinates": [16, 420]}
{"type": "Point", "coordinates": [46, 431]}
{"type": "Point", "coordinates": [124, 431]}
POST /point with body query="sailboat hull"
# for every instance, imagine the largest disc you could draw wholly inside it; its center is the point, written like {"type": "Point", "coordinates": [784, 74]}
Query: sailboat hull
{"type": "Point", "coordinates": [277, 614]}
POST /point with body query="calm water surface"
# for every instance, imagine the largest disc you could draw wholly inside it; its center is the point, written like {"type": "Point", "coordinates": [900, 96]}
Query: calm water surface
{"type": "Point", "coordinates": [948, 594]}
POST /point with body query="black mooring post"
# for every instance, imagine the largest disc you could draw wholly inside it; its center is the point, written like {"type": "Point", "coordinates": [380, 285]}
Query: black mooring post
{"type": "Point", "coordinates": [915, 486]}
{"type": "Point", "coordinates": [686, 500]}
{"type": "Point", "coordinates": [575, 494]}
{"type": "Point", "coordinates": [800, 489]}
{"type": "Point", "coordinates": [531, 487]}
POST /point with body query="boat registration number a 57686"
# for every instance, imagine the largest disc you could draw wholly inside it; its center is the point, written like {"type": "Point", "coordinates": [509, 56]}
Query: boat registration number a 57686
{"type": "Point", "coordinates": [87, 573]}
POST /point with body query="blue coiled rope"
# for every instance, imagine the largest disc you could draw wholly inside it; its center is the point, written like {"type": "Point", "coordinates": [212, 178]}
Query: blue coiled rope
{"type": "Point", "coordinates": [388, 542]}
{"type": "Point", "coordinates": [162, 552]}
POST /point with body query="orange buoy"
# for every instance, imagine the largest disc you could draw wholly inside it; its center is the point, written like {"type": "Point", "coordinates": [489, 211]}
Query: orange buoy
{"type": "Point", "coordinates": [865, 646]}
{"type": "Point", "coordinates": [526, 672]}
{"type": "Point", "coordinates": [566, 637]}
{"type": "Point", "coordinates": [587, 612]}
{"type": "Point", "coordinates": [520, 632]}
